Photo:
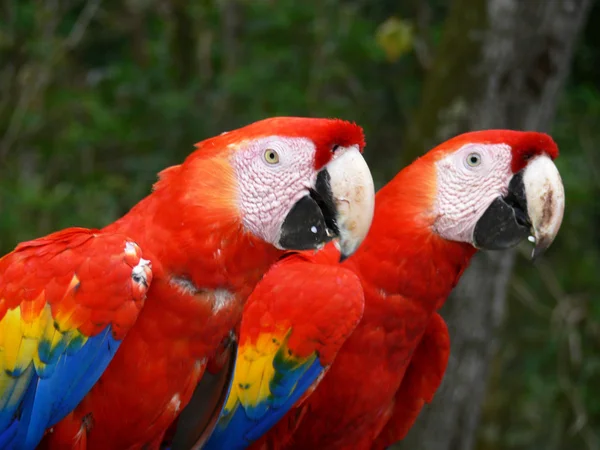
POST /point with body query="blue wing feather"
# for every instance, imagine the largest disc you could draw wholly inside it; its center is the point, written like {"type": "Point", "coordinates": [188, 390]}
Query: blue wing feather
{"type": "Point", "coordinates": [54, 394]}
{"type": "Point", "coordinates": [8, 434]}
{"type": "Point", "coordinates": [48, 361]}
{"type": "Point", "coordinates": [237, 429]}
{"type": "Point", "coordinates": [307, 379]}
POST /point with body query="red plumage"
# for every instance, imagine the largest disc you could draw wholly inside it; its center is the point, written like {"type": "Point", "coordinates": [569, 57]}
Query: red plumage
{"type": "Point", "coordinates": [394, 361]}
{"type": "Point", "coordinates": [70, 270]}
{"type": "Point", "coordinates": [326, 304]}
{"type": "Point", "coordinates": [294, 323]}
{"type": "Point", "coordinates": [191, 226]}
{"type": "Point", "coordinates": [67, 300]}
{"type": "Point", "coordinates": [323, 133]}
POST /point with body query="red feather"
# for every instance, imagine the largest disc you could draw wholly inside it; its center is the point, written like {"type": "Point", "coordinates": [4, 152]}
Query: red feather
{"type": "Point", "coordinates": [324, 133]}
{"type": "Point", "coordinates": [394, 361]}
{"type": "Point", "coordinates": [192, 226]}
{"type": "Point", "coordinates": [524, 144]}
{"type": "Point", "coordinates": [43, 271]}
{"type": "Point", "coordinates": [423, 377]}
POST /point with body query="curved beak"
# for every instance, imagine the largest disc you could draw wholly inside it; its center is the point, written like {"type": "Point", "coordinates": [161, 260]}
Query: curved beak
{"type": "Point", "coordinates": [533, 206]}
{"type": "Point", "coordinates": [339, 205]}
{"type": "Point", "coordinates": [545, 195]}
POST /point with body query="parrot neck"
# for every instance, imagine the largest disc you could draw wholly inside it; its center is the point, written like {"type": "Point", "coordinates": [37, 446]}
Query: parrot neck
{"type": "Point", "coordinates": [205, 245]}
{"type": "Point", "coordinates": [401, 254]}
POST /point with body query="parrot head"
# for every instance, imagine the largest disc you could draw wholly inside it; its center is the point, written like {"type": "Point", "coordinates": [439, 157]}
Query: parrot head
{"type": "Point", "coordinates": [295, 183]}
{"type": "Point", "coordinates": [494, 188]}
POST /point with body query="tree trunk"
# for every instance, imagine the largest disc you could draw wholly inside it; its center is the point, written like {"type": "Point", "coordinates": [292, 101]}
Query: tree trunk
{"type": "Point", "coordinates": [501, 64]}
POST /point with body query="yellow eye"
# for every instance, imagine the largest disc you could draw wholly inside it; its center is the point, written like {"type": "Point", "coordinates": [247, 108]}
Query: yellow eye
{"type": "Point", "coordinates": [271, 156]}
{"type": "Point", "coordinates": [474, 159]}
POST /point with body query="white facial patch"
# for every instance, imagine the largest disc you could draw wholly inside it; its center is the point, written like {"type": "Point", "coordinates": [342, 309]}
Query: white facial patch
{"type": "Point", "coordinates": [468, 181]}
{"type": "Point", "coordinates": [273, 174]}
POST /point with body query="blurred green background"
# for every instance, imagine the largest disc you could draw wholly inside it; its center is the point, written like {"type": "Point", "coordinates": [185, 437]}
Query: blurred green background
{"type": "Point", "coordinates": [97, 97]}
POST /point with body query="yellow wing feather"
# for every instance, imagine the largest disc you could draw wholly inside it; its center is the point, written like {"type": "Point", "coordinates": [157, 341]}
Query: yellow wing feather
{"type": "Point", "coordinates": [254, 371]}
{"type": "Point", "coordinates": [25, 344]}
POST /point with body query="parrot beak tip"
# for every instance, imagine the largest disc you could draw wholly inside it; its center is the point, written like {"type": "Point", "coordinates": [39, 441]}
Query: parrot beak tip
{"type": "Point", "coordinates": [541, 245]}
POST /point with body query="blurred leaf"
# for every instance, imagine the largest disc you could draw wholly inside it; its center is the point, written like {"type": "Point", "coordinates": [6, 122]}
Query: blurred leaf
{"type": "Point", "coordinates": [396, 37]}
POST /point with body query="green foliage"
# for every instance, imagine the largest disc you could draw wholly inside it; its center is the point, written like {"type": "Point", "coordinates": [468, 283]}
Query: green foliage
{"type": "Point", "coordinates": [91, 109]}
{"type": "Point", "coordinates": [396, 37]}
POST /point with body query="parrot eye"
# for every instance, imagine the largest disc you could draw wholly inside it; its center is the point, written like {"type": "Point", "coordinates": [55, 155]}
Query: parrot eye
{"type": "Point", "coordinates": [271, 156]}
{"type": "Point", "coordinates": [474, 159]}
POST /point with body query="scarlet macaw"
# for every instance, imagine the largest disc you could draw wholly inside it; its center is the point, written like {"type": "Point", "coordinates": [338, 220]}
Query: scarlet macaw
{"type": "Point", "coordinates": [480, 190]}
{"type": "Point", "coordinates": [210, 229]}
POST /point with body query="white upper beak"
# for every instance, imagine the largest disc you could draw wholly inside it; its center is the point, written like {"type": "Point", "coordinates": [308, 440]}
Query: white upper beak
{"type": "Point", "coordinates": [354, 196]}
{"type": "Point", "coordinates": [545, 201]}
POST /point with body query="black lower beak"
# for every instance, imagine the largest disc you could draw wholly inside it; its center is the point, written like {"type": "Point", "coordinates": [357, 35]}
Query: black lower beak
{"type": "Point", "coordinates": [505, 223]}
{"type": "Point", "coordinates": [311, 222]}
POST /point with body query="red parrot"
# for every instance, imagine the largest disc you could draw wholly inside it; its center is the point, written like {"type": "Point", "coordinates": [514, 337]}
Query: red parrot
{"type": "Point", "coordinates": [480, 190]}
{"type": "Point", "coordinates": [210, 229]}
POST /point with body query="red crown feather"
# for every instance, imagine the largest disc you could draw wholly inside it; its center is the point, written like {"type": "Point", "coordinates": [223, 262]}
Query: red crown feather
{"type": "Point", "coordinates": [325, 133]}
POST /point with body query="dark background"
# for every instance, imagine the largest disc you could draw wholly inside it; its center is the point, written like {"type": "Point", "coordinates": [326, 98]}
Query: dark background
{"type": "Point", "coordinates": [97, 96]}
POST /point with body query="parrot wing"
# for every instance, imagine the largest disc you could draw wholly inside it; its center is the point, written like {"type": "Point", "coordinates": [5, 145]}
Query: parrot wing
{"type": "Point", "coordinates": [421, 380]}
{"type": "Point", "coordinates": [66, 302]}
{"type": "Point", "coordinates": [294, 323]}
{"type": "Point", "coordinates": [198, 419]}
